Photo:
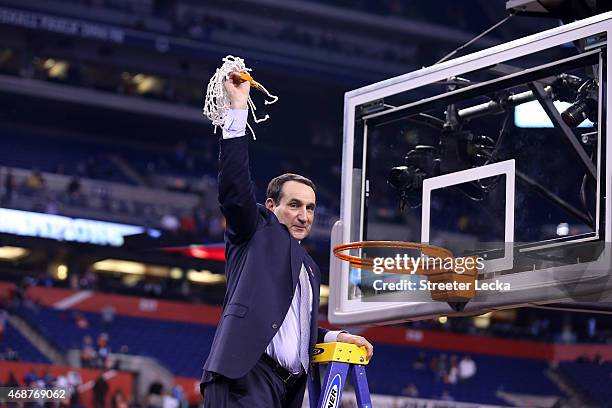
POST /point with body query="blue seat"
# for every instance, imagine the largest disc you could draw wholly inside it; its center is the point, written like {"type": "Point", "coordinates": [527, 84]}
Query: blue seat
{"type": "Point", "coordinates": [25, 349]}
{"type": "Point", "coordinates": [593, 380]}
{"type": "Point", "coordinates": [182, 348]}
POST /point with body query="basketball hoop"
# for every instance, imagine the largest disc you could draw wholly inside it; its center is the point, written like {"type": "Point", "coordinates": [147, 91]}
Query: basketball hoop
{"type": "Point", "coordinates": [368, 263]}
{"type": "Point", "coordinates": [436, 275]}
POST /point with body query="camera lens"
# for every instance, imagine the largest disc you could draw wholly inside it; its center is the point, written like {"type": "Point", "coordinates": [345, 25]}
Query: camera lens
{"type": "Point", "coordinates": [401, 177]}
{"type": "Point", "coordinates": [575, 114]}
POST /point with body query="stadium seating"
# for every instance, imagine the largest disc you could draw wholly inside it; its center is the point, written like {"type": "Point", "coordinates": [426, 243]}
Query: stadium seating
{"type": "Point", "coordinates": [591, 379]}
{"type": "Point", "coordinates": [90, 159]}
{"type": "Point", "coordinates": [25, 349]}
{"type": "Point", "coordinates": [51, 155]}
{"type": "Point", "coordinates": [154, 338]}
{"type": "Point", "coordinates": [493, 374]}
{"type": "Point", "coordinates": [161, 339]}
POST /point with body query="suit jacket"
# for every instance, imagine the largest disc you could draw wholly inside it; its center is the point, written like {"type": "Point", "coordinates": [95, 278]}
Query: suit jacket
{"type": "Point", "coordinates": [263, 262]}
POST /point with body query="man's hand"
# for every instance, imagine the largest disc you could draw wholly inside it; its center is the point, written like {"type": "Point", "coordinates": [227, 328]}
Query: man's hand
{"type": "Point", "coordinates": [237, 91]}
{"type": "Point", "coordinates": [359, 341]}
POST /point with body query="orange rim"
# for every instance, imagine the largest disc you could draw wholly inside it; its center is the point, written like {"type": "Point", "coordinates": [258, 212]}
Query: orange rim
{"type": "Point", "coordinates": [368, 263]}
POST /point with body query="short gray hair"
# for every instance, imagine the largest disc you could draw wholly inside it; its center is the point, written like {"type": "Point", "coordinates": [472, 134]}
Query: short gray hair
{"type": "Point", "coordinates": [275, 186]}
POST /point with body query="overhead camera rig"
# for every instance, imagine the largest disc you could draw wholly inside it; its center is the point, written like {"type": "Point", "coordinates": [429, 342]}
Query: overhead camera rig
{"type": "Point", "coordinates": [458, 147]}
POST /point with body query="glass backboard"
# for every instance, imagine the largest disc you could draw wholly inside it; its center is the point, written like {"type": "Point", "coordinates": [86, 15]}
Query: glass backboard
{"type": "Point", "coordinates": [457, 155]}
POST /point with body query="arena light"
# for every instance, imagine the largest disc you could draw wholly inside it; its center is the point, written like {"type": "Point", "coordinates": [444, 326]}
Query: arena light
{"type": "Point", "coordinates": [130, 280]}
{"type": "Point", "coordinates": [13, 253]}
{"type": "Point", "coordinates": [323, 294]}
{"type": "Point", "coordinates": [131, 268]}
{"type": "Point", "coordinates": [205, 277]}
{"type": "Point", "coordinates": [213, 252]}
{"type": "Point", "coordinates": [563, 229]}
{"type": "Point", "coordinates": [55, 68]}
{"type": "Point", "coordinates": [59, 70]}
{"type": "Point", "coordinates": [144, 83]}
{"type": "Point", "coordinates": [532, 115]}
{"type": "Point", "coordinates": [483, 321]}
{"type": "Point", "coordinates": [149, 84]}
{"type": "Point", "coordinates": [176, 273]}
{"type": "Point", "coordinates": [49, 63]}
{"type": "Point", "coordinates": [61, 272]}
{"type": "Point", "coordinates": [118, 265]}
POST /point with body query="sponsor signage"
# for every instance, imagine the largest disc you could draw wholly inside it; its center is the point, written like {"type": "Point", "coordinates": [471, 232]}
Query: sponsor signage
{"type": "Point", "coordinates": [317, 351]}
{"type": "Point", "coordinates": [101, 32]}
{"type": "Point", "coordinates": [332, 397]}
{"type": "Point", "coordinates": [62, 25]}
{"type": "Point", "coordinates": [61, 228]}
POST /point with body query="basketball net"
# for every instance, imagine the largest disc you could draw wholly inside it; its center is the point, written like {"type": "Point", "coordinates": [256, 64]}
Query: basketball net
{"type": "Point", "coordinates": [217, 102]}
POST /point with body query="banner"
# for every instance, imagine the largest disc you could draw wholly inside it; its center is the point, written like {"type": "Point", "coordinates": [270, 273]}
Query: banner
{"type": "Point", "coordinates": [60, 228]}
{"type": "Point", "coordinates": [61, 25]}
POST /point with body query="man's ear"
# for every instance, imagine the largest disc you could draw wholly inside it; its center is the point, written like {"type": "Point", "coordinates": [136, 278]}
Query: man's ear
{"type": "Point", "coordinates": [270, 204]}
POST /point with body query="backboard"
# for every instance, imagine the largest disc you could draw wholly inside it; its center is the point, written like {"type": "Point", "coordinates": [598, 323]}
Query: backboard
{"type": "Point", "coordinates": [457, 155]}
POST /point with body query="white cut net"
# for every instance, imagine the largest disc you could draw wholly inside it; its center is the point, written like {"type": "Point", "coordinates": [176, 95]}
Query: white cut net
{"type": "Point", "coordinates": [217, 102]}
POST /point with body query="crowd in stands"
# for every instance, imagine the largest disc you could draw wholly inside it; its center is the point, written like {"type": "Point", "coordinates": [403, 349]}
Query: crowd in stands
{"type": "Point", "coordinates": [199, 23]}
{"type": "Point", "coordinates": [428, 373]}
{"type": "Point", "coordinates": [96, 356]}
{"type": "Point", "coordinates": [158, 397]}
{"type": "Point", "coordinates": [530, 324]}
{"type": "Point", "coordinates": [10, 354]}
{"type": "Point", "coordinates": [432, 374]}
{"type": "Point", "coordinates": [138, 7]}
{"type": "Point", "coordinates": [17, 297]}
{"type": "Point", "coordinates": [69, 381]}
{"type": "Point", "coordinates": [400, 8]}
{"type": "Point", "coordinates": [194, 22]}
{"type": "Point", "coordinates": [590, 378]}
{"type": "Point", "coordinates": [453, 14]}
{"type": "Point", "coordinates": [93, 354]}
{"type": "Point", "coordinates": [201, 223]}
{"type": "Point", "coordinates": [101, 397]}
{"type": "Point", "coordinates": [3, 319]}
{"type": "Point", "coordinates": [447, 370]}
{"type": "Point", "coordinates": [527, 324]}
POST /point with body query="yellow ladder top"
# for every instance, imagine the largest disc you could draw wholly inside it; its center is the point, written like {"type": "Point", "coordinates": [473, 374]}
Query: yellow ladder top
{"type": "Point", "coordinates": [339, 352]}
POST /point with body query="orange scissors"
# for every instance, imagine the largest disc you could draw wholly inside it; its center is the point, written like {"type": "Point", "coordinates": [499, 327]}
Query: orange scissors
{"type": "Point", "coordinates": [245, 76]}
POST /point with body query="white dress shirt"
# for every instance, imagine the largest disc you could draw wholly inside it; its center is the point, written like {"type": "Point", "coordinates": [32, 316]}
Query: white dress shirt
{"type": "Point", "coordinates": [285, 345]}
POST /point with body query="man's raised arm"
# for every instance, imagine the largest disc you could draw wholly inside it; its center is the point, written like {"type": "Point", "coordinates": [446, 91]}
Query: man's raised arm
{"type": "Point", "coordinates": [236, 191]}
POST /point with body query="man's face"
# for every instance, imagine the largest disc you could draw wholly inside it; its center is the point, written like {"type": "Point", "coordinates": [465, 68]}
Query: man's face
{"type": "Point", "coordinates": [295, 209]}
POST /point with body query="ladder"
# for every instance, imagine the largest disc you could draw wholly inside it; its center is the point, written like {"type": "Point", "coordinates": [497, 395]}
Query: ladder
{"type": "Point", "coordinates": [342, 359]}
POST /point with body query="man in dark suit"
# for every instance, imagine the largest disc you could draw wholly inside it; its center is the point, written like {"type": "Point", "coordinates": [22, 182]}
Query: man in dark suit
{"type": "Point", "coordinates": [262, 347]}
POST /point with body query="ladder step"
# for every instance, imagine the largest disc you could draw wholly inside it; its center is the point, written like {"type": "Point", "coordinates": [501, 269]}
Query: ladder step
{"type": "Point", "coordinates": [339, 352]}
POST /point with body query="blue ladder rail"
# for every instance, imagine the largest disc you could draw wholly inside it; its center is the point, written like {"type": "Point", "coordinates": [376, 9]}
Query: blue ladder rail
{"type": "Point", "coordinates": [342, 359]}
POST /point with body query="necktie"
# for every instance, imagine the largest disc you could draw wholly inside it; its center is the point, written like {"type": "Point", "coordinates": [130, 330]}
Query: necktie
{"type": "Point", "coordinates": [305, 302]}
